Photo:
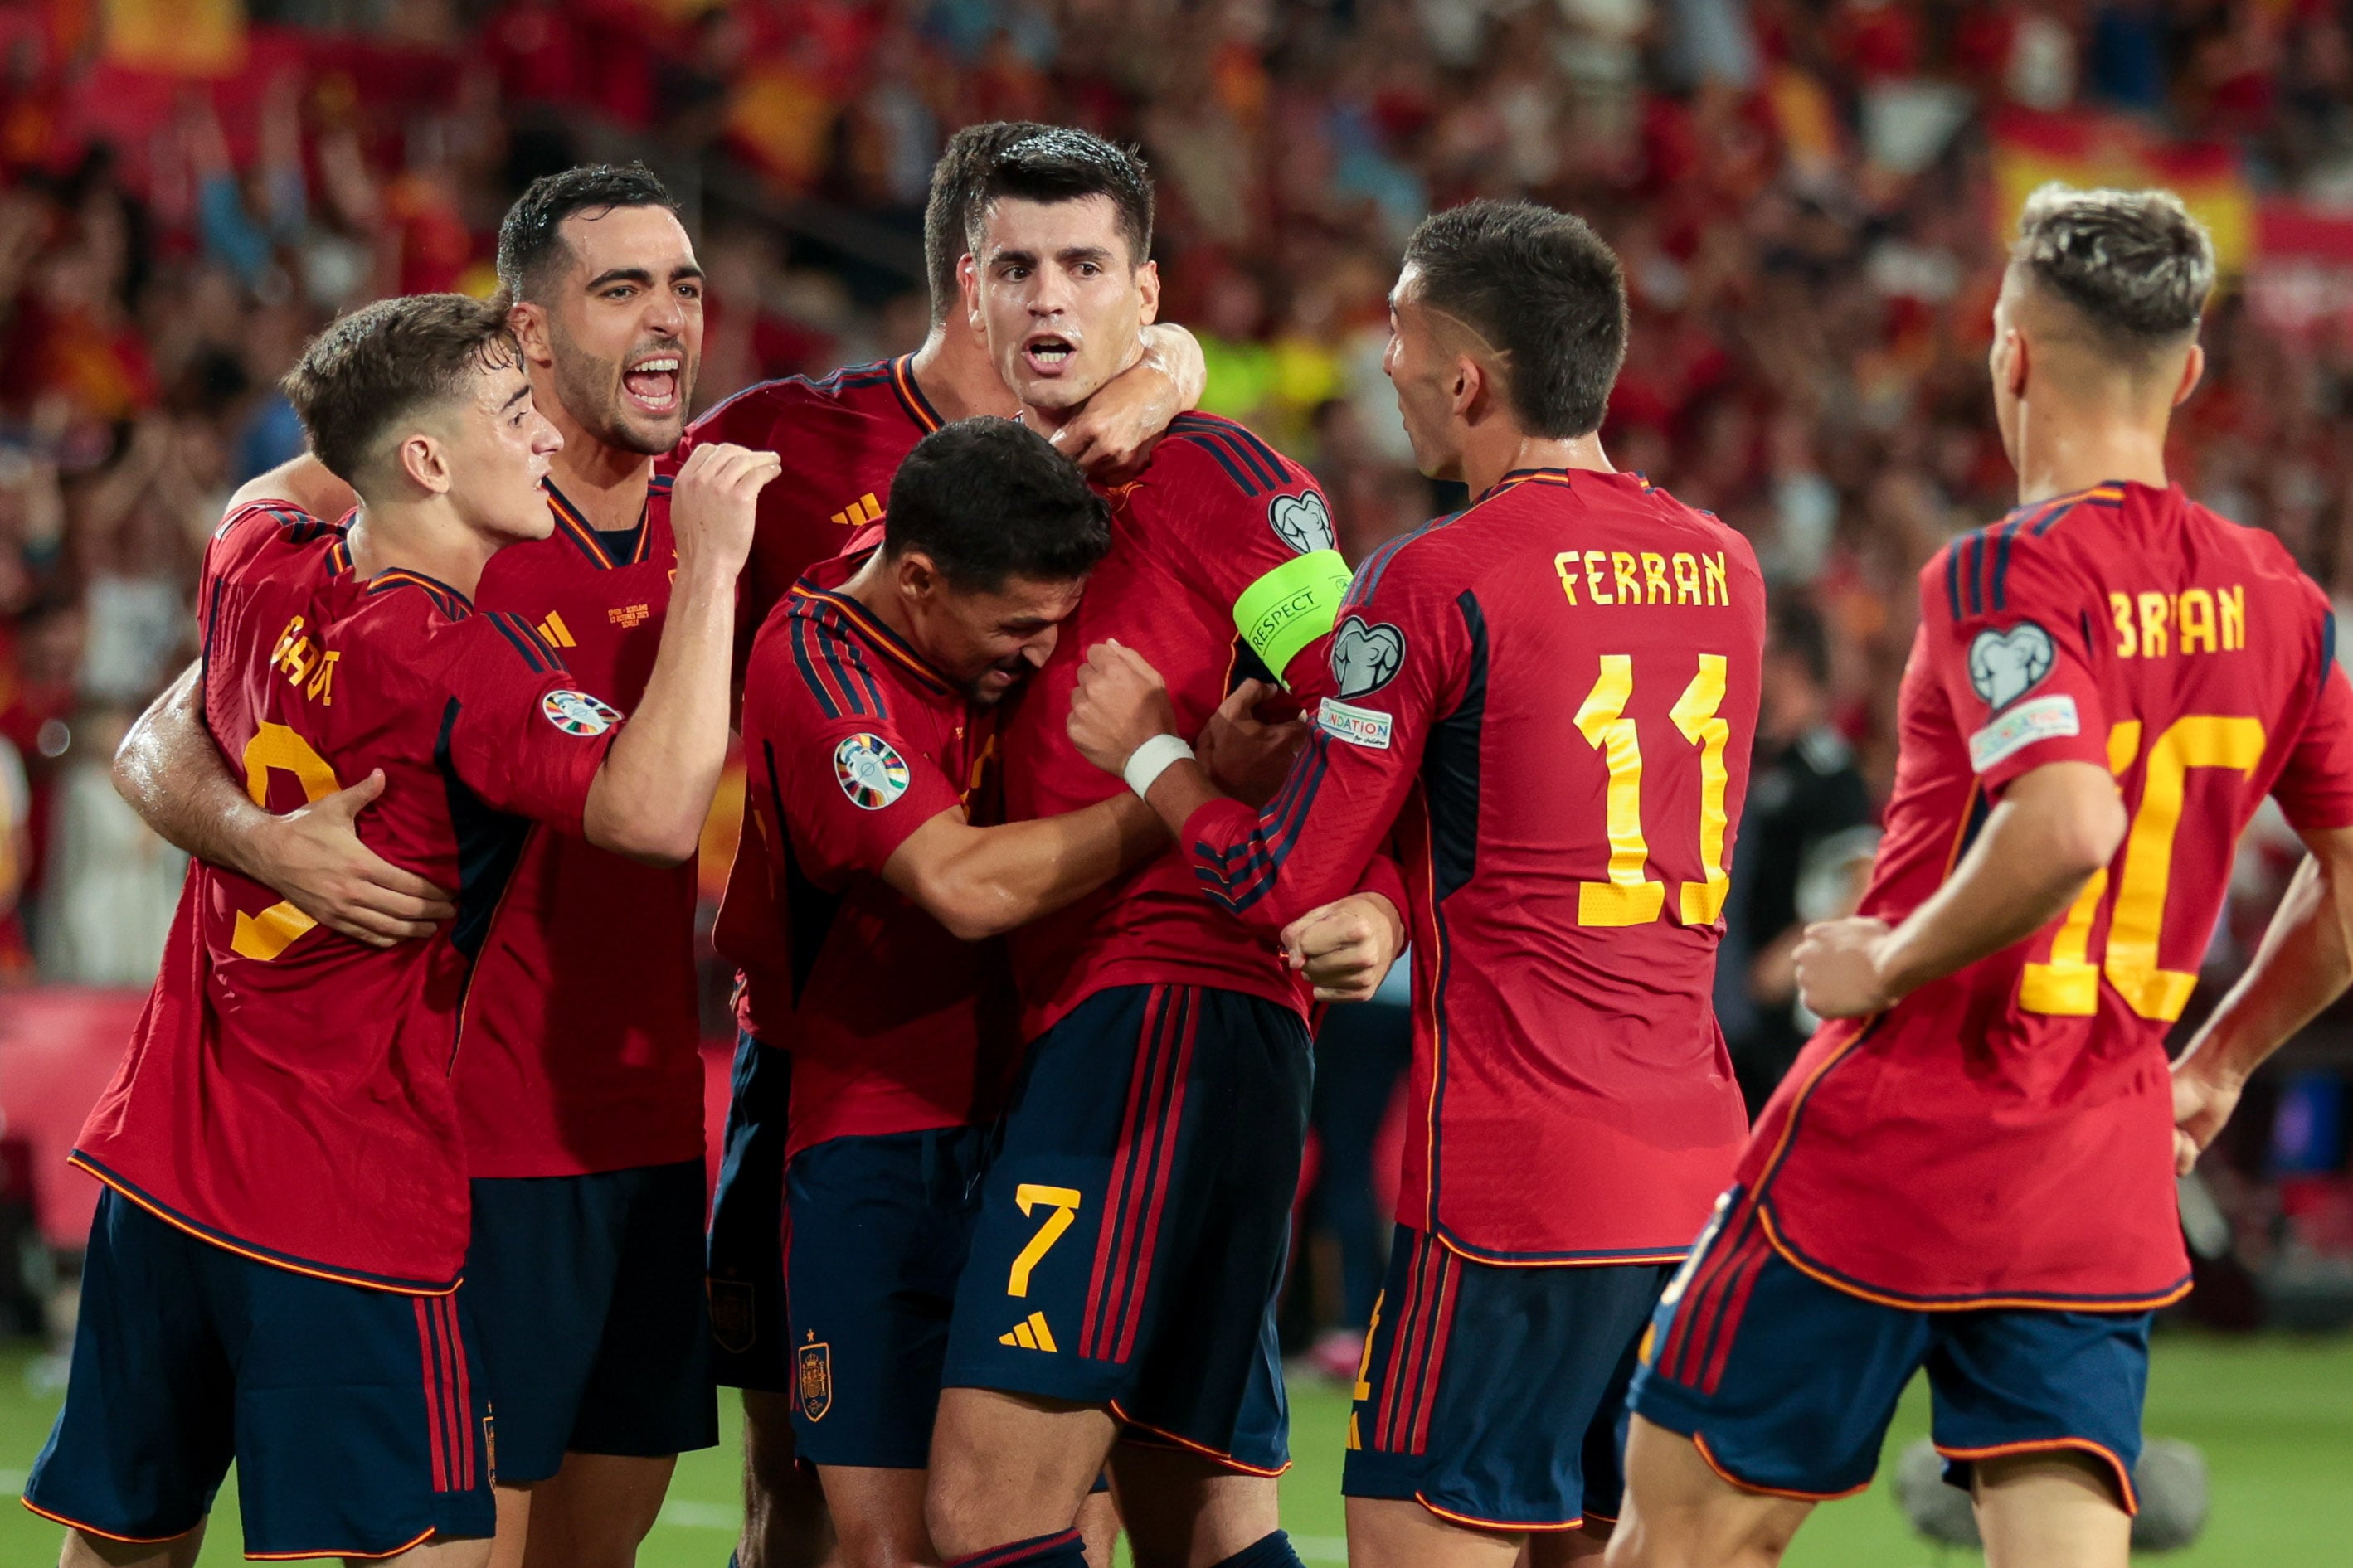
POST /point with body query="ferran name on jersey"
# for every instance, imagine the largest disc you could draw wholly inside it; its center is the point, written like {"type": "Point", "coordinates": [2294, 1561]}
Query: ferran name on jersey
{"type": "Point", "coordinates": [871, 772]}
{"type": "Point", "coordinates": [2044, 719]}
{"type": "Point", "coordinates": [577, 713]}
{"type": "Point", "coordinates": [2006, 665]}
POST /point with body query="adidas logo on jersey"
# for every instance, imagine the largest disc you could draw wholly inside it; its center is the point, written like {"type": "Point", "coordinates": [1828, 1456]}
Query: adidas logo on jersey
{"type": "Point", "coordinates": [557, 633]}
{"type": "Point", "coordinates": [860, 512]}
{"type": "Point", "coordinates": [1030, 1334]}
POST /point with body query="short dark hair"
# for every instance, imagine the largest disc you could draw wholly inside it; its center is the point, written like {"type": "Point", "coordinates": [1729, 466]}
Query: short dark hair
{"type": "Point", "coordinates": [531, 242]}
{"type": "Point", "coordinates": [989, 500]}
{"type": "Point", "coordinates": [1543, 292]}
{"type": "Point", "coordinates": [2135, 264]}
{"type": "Point", "coordinates": [957, 199]}
{"type": "Point", "coordinates": [380, 364]}
{"type": "Point", "coordinates": [1795, 629]}
{"type": "Point", "coordinates": [1056, 163]}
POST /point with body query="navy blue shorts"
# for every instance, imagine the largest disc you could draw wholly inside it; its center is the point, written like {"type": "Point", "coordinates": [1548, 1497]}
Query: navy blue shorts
{"type": "Point", "coordinates": [587, 1294]}
{"type": "Point", "coordinates": [745, 1265]}
{"type": "Point", "coordinates": [1496, 1396]}
{"type": "Point", "coordinates": [880, 1226]}
{"type": "Point", "coordinates": [357, 1418]}
{"type": "Point", "coordinates": [1135, 1218]}
{"type": "Point", "coordinates": [1787, 1385]}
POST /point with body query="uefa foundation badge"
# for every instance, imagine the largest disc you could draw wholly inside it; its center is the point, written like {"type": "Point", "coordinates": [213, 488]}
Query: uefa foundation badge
{"type": "Point", "coordinates": [577, 713]}
{"type": "Point", "coordinates": [872, 774]}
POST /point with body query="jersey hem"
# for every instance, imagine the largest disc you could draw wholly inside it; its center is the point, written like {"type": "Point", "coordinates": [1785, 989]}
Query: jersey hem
{"type": "Point", "coordinates": [1505, 1258]}
{"type": "Point", "coordinates": [253, 1251]}
{"type": "Point", "coordinates": [2130, 1499]}
{"type": "Point", "coordinates": [1156, 1434]}
{"type": "Point", "coordinates": [341, 1551]}
{"type": "Point", "coordinates": [2033, 1300]}
{"type": "Point", "coordinates": [32, 1506]}
{"type": "Point", "coordinates": [1475, 1522]}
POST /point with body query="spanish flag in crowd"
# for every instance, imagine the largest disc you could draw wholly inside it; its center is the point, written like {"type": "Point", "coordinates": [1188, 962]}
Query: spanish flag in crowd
{"type": "Point", "coordinates": [175, 37]}
{"type": "Point", "coordinates": [2088, 149]}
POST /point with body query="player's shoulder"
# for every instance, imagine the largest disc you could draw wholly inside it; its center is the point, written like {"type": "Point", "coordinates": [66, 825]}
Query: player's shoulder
{"type": "Point", "coordinates": [1217, 471]}
{"type": "Point", "coordinates": [1210, 448]}
{"type": "Point", "coordinates": [814, 664]}
{"type": "Point", "coordinates": [270, 539]}
{"type": "Point", "coordinates": [753, 415]}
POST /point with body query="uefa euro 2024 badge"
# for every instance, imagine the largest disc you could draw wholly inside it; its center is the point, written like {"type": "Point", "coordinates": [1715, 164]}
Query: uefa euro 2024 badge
{"type": "Point", "coordinates": [872, 774]}
{"type": "Point", "coordinates": [577, 713]}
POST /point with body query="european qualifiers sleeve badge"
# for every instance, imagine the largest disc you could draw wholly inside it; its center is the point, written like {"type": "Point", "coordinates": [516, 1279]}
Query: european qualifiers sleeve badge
{"type": "Point", "coordinates": [577, 713]}
{"type": "Point", "coordinates": [872, 774]}
{"type": "Point", "coordinates": [2004, 666]}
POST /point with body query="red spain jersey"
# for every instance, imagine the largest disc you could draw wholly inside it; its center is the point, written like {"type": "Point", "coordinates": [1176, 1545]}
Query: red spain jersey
{"type": "Point", "coordinates": [1552, 697]}
{"type": "Point", "coordinates": [2004, 1135]}
{"type": "Point", "coordinates": [287, 1093]}
{"type": "Point", "coordinates": [1223, 564]}
{"type": "Point", "coordinates": [582, 1038]}
{"type": "Point", "coordinates": [852, 742]}
{"type": "Point", "coordinates": [841, 438]}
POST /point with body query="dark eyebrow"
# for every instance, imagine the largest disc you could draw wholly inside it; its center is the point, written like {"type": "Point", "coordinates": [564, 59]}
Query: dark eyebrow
{"type": "Point", "coordinates": [1077, 253]}
{"type": "Point", "coordinates": [519, 394]}
{"type": "Point", "coordinates": [619, 275]}
{"type": "Point", "coordinates": [1014, 258]}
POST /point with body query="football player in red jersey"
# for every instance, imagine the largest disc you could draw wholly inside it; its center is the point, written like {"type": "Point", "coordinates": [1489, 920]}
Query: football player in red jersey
{"type": "Point", "coordinates": [1133, 1224]}
{"type": "Point", "coordinates": [861, 907]}
{"type": "Point", "coordinates": [275, 1265]}
{"type": "Point", "coordinates": [841, 438]}
{"type": "Point", "coordinates": [1550, 697]}
{"type": "Point", "coordinates": [1970, 1168]}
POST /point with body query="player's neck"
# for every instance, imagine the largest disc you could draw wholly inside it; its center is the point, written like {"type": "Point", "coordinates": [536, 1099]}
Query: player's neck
{"type": "Point", "coordinates": [1492, 452]}
{"type": "Point", "coordinates": [424, 537]}
{"type": "Point", "coordinates": [954, 372]}
{"type": "Point", "coordinates": [872, 585]}
{"type": "Point", "coordinates": [607, 483]}
{"type": "Point", "coordinates": [2059, 456]}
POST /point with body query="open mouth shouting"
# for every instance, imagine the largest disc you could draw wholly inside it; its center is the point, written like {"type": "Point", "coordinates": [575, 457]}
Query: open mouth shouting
{"type": "Point", "coordinates": [1049, 354]}
{"type": "Point", "coordinates": [652, 384]}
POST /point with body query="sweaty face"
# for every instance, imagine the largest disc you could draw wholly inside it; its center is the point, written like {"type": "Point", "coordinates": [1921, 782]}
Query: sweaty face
{"type": "Point", "coordinates": [1423, 373]}
{"type": "Point", "coordinates": [1059, 296]}
{"type": "Point", "coordinates": [624, 327]}
{"type": "Point", "coordinates": [498, 446]}
{"type": "Point", "coordinates": [989, 642]}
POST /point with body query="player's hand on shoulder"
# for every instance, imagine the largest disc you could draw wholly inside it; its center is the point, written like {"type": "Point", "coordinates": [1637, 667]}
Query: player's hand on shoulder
{"type": "Point", "coordinates": [2201, 1104]}
{"type": "Point", "coordinates": [1248, 758]}
{"type": "Point", "coordinates": [715, 502]}
{"type": "Point", "coordinates": [1119, 703]}
{"type": "Point", "coordinates": [1838, 973]}
{"type": "Point", "coordinates": [1344, 949]}
{"type": "Point", "coordinates": [314, 856]}
{"type": "Point", "coordinates": [1113, 437]}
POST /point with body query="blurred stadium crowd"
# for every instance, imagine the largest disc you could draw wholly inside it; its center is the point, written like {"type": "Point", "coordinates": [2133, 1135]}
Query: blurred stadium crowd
{"type": "Point", "coordinates": [1809, 195]}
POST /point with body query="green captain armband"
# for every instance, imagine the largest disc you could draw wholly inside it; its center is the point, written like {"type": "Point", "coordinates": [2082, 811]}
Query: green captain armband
{"type": "Point", "coordinates": [1290, 606]}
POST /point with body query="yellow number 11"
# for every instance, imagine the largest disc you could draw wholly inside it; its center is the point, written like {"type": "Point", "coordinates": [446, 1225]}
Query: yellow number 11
{"type": "Point", "coordinates": [1630, 896]}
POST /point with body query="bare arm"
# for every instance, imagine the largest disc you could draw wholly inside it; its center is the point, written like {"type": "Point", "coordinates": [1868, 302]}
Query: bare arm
{"type": "Point", "coordinates": [175, 777]}
{"type": "Point", "coordinates": [650, 799]}
{"type": "Point", "coordinates": [984, 881]}
{"type": "Point", "coordinates": [2054, 828]}
{"type": "Point", "coordinates": [305, 481]}
{"type": "Point", "coordinates": [1114, 434]}
{"type": "Point", "coordinates": [2306, 961]}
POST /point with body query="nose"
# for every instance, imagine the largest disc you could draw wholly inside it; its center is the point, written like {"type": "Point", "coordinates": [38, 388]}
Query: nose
{"type": "Point", "coordinates": [665, 312]}
{"type": "Point", "coordinates": [1051, 293]}
{"type": "Point", "coordinates": [1390, 357]}
{"type": "Point", "coordinates": [549, 441]}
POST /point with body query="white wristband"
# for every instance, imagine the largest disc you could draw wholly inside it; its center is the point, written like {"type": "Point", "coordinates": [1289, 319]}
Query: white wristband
{"type": "Point", "coordinates": [1150, 760]}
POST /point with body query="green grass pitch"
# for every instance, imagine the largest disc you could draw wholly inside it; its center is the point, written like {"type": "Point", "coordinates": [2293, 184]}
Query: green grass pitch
{"type": "Point", "coordinates": [2275, 1415]}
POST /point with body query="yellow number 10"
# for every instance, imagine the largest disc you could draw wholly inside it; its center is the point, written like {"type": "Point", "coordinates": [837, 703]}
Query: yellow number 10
{"type": "Point", "coordinates": [2069, 985]}
{"type": "Point", "coordinates": [1630, 896]}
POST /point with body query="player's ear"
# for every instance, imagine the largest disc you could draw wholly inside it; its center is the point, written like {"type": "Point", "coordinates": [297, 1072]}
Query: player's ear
{"type": "Point", "coordinates": [917, 576]}
{"type": "Point", "coordinates": [1148, 284]}
{"type": "Point", "coordinates": [968, 285]}
{"type": "Point", "coordinates": [2193, 370]}
{"type": "Point", "coordinates": [1470, 380]}
{"type": "Point", "coordinates": [422, 462]}
{"type": "Point", "coordinates": [529, 323]}
{"type": "Point", "coordinates": [2015, 353]}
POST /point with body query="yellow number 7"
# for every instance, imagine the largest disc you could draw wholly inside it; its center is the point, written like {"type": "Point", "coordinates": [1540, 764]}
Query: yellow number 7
{"type": "Point", "coordinates": [1065, 1204]}
{"type": "Point", "coordinates": [1629, 897]}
